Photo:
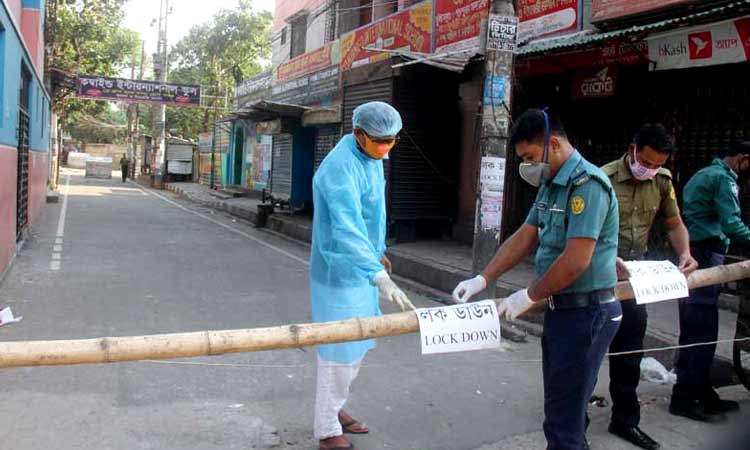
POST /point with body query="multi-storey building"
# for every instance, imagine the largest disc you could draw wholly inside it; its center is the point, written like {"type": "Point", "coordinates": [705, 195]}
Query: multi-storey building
{"type": "Point", "coordinates": [24, 122]}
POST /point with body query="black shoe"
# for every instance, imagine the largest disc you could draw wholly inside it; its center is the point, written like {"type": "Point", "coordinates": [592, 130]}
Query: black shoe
{"type": "Point", "coordinates": [586, 444]}
{"type": "Point", "coordinates": [635, 436]}
{"type": "Point", "coordinates": [719, 406]}
{"type": "Point", "coordinates": [694, 410]}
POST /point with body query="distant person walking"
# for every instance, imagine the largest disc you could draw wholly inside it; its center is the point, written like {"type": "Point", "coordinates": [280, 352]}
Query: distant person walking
{"type": "Point", "coordinates": [124, 167]}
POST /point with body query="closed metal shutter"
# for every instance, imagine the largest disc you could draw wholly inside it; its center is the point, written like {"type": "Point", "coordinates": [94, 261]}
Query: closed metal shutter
{"type": "Point", "coordinates": [378, 90]}
{"type": "Point", "coordinates": [325, 139]}
{"type": "Point", "coordinates": [177, 152]}
{"type": "Point", "coordinates": [281, 166]}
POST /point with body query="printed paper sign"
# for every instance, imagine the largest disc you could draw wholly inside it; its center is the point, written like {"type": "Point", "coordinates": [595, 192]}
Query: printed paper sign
{"type": "Point", "coordinates": [459, 328]}
{"type": "Point", "coordinates": [502, 33]}
{"type": "Point", "coordinates": [545, 18]}
{"type": "Point", "coordinates": [656, 281]}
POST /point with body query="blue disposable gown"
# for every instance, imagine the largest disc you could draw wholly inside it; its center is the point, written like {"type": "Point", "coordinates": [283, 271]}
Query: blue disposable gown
{"type": "Point", "coordinates": [348, 242]}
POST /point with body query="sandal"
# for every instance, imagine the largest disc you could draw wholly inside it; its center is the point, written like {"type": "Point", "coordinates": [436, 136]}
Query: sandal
{"type": "Point", "coordinates": [353, 426]}
{"type": "Point", "coordinates": [349, 447]}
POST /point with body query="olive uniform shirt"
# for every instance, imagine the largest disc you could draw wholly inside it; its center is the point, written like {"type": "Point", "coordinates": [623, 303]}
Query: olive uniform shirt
{"type": "Point", "coordinates": [577, 203]}
{"type": "Point", "coordinates": [639, 204]}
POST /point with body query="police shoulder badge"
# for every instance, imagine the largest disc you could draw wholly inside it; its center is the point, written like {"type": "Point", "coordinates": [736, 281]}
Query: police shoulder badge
{"type": "Point", "coordinates": [577, 205]}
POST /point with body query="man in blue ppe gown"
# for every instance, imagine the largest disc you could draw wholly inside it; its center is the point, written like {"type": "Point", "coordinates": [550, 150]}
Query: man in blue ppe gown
{"type": "Point", "coordinates": [348, 266]}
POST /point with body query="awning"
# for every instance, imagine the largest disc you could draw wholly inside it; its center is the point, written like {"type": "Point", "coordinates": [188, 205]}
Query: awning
{"type": "Point", "coordinates": [454, 61]}
{"type": "Point", "coordinates": [261, 110]}
{"type": "Point", "coordinates": [588, 37]}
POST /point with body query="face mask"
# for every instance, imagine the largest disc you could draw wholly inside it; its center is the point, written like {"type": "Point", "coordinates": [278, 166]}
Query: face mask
{"type": "Point", "coordinates": [640, 172]}
{"type": "Point", "coordinates": [535, 173]}
{"type": "Point", "coordinates": [377, 148]}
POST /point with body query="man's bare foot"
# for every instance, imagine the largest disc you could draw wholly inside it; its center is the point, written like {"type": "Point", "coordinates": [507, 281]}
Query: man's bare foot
{"type": "Point", "coordinates": [336, 443]}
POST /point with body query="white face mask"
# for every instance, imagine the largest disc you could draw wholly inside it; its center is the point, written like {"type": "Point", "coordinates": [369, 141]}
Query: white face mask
{"type": "Point", "coordinates": [640, 172]}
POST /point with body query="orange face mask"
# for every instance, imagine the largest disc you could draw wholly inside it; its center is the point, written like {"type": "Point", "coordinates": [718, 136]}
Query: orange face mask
{"type": "Point", "coordinates": [378, 148]}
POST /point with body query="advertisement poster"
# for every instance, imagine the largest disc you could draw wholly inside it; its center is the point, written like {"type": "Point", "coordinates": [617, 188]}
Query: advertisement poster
{"type": "Point", "coordinates": [544, 18]}
{"type": "Point", "coordinates": [718, 43]}
{"type": "Point", "coordinates": [602, 10]}
{"type": "Point", "coordinates": [408, 30]}
{"type": "Point", "coordinates": [314, 61]}
{"type": "Point", "coordinates": [458, 24]}
{"type": "Point", "coordinates": [141, 91]}
{"type": "Point", "coordinates": [502, 33]}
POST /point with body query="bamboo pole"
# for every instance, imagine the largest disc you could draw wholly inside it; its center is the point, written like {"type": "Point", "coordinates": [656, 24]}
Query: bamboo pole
{"type": "Point", "coordinates": [209, 343]}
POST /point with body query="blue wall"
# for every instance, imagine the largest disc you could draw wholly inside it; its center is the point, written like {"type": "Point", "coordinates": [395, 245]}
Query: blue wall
{"type": "Point", "coordinates": [12, 54]}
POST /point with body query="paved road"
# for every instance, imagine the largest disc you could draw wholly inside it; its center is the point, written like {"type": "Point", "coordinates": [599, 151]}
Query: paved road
{"type": "Point", "coordinates": [134, 261]}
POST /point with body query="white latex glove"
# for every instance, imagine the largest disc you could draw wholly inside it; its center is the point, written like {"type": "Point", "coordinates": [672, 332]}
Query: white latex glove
{"type": "Point", "coordinates": [469, 288]}
{"type": "Point", "coordinates": [515, 305]}
{"type": "Point", "coordinates": [388, 290]}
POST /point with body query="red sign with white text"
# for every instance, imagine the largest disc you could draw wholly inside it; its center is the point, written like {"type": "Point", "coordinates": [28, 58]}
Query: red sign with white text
{"type": "Point", "coordinates": [602, 10]}
{"type": "Point", "coordinates": [539, 18]}
{"type": "Point", "coordinates": [458, 23]}
{"type": "Point", "coordinates": [409, 30]}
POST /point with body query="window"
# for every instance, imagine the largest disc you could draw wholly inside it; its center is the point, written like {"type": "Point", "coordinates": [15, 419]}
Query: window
{"type": "Point", "coordinates": [299, 36]}
{"type": "Point", "coordinates": [283, 36]}
{"type": "Point", "coordinates": [354, 14]}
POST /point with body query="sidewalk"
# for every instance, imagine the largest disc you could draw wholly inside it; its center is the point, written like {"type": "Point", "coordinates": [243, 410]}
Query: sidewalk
{"type": "Point", "coordinates": [437, 266]}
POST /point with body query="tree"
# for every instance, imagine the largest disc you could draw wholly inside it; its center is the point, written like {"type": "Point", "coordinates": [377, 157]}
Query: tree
{"type": "Point", "coordinates": [89, 38]}
{"type": "Point", "coordinates": [236, 42]}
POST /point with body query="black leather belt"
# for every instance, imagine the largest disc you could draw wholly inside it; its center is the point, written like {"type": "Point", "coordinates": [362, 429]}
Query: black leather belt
{"type": "Point", "coordinates": [574, 301]}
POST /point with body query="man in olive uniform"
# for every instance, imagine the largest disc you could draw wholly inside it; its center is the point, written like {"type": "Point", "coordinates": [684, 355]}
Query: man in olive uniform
{"type": "Point", "coordinates": [712, 215]}
{"type": "Point", "coordinates": [575, 222]}
{"type": "Point", "coordinates": [124, 167]}
{"type": "Point", "coordinates": [644, 192]}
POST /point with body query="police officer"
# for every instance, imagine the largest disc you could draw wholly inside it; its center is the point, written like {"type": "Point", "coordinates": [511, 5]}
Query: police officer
{"type": "Point", "coordinates": [644, 192]}
{"type": "Point", "coordinates": [712, 215]}
{"type": "Point", "coordinates": [574, 220]}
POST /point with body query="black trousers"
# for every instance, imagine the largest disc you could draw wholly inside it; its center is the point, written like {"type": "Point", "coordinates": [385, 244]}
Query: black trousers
{"type": "Point", "coordinates": [124, 171]}
{"type": "Point", "coordinates": [625, 371]}
{"type": "Point", "coordinates": [699, 322]}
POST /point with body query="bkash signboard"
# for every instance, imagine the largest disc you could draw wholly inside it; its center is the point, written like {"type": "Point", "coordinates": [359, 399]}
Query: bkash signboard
{"type": "Point", "coordinates": [719, 43]}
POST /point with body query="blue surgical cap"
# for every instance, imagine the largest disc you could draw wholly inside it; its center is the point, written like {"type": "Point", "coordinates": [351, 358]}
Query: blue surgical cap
{"type": "Point", "coordinates": [378, 119]}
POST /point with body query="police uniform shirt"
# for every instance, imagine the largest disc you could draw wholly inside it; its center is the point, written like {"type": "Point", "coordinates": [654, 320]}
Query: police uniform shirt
{"type": "Point", "coordinates": [639, 204]}
{"type": "Point", "coordinates": [577, 203]}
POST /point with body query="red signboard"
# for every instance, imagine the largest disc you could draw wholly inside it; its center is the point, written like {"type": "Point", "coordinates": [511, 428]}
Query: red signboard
{"type": "Point", "coordinates": [458, 22]}
{"type": "Point", "coordinates": [603, 10]}
{"type": "Point", "coordinates": [410, 29]}
{"type": "Point", "coordinates": [620, 52]}
{"type": "Point", "coordinates": [310, 62]}
{"type": "Point", "coordinates": [547, 17]}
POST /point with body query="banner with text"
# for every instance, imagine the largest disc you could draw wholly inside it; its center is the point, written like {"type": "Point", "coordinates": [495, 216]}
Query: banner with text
{"type": "Point", "coordinates": [458, 23]}
{"type": "Point", "coordinates": [138, 91]}
{"type": "Point", "coordinates": [314, 61]}
{"type": "Point", "coordinates": [539, 18]}
{"type": "Point", "coordinates": [408, 30]}
{"type": "Point", "coordinates": [718, 43]}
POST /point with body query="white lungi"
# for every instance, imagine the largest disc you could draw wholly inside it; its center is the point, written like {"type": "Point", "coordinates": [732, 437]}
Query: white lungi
{"type": "Point", "coordinates": [334, 380]}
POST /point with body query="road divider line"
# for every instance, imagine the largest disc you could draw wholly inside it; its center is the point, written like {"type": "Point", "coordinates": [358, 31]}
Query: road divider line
{"type": "Point", "coordinates": [223, 225]}
{"type": "Point", "coordinates": [56, 263]}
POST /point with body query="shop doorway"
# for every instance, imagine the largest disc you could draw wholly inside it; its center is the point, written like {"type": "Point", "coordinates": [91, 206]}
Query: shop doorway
{"type": "Point", "coordinates": [238, 156]}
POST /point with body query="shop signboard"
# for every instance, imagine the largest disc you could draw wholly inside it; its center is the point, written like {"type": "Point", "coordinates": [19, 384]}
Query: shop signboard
{"type": "Point", "coordinates": [539, 18]}
{"type": "Point", "coordinates": [621, 52]}
{"type": "Point", "coordinates": [707, 45]}
{"type": "Point", "coordinates": [321, 88]}
{"type": "Point", "coordinates": [252, 89]}
{"type": "Point", "coordinates": [314, 61]}
{"type": "Point", "coordinates": [604, 10]}
{"type": "Point", "coordinates": [407, 30]}
{"type": "Point", "coordinates": [600, 83]}
{"type": "Point", "coordinates": [458, 23]}
{"type": "Point", "coordinates": [138, 91]}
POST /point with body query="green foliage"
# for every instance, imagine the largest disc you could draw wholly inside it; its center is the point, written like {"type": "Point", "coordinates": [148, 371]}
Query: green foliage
{"type": "Point", "coordinates": [89, 39]}
{"type": "Point", "coordinates": [233, 41]}
{"type": "Point", "coordinates": [109, 127]}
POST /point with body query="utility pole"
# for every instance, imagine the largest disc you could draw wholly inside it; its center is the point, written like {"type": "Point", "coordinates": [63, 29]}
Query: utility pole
{"type": "Point", "coordinates": [137, 123]}
{"type": "Point", "coordinates": [493, 139]}
{"type": "Point", "coordinates": [161, 67]}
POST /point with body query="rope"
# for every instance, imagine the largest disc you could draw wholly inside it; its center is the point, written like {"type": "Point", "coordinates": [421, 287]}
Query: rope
{"type": "Point", "coordinates": [505, 361]}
